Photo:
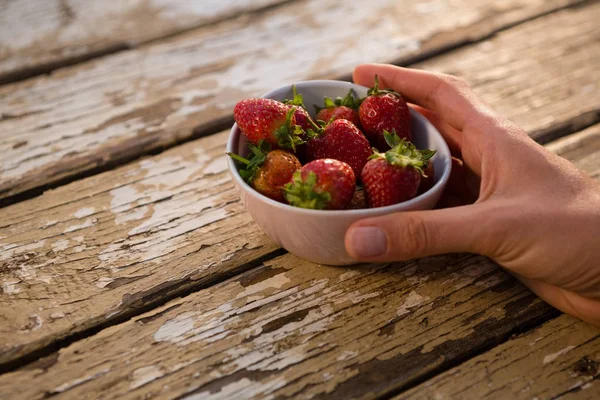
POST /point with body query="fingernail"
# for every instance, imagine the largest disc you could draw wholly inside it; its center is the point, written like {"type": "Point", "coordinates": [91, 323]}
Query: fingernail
{"type": "Point", "coordinates": [367, 241]}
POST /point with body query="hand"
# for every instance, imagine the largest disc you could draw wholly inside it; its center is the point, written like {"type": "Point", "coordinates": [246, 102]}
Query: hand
{"type": "Point", "coordinates": [535, 213]}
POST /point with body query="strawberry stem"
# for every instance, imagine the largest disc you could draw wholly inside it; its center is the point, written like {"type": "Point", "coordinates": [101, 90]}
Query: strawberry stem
{"type": "Point", "coordinates": [238, 158]}
{"type": "Point", "coordinates": [404, 154]}
{"type": "Point", "coordinates": [288, 135]}
{"type": "Point", "coordinates": [301, 193]}
{"type": "Point", "coordinates": [297, 99]}
{"type": "Point", "coordinates": [251, 166]}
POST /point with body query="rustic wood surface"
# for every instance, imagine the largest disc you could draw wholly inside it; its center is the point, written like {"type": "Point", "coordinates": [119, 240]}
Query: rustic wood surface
{"type": "Point", "coordinates": [130, 236]}
{"type": "Point", "coordinates": [558, 360]}
{"type": "Point", "coordinates": [294, 329]}
{"type": "Point", "coordinates": [96, 249]}
{"type": "Point", "coordinates": [107, 111]}
{"type": "Point", "coordinates": [40, 35]}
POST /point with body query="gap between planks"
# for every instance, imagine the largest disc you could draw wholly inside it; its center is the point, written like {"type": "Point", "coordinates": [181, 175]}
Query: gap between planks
{"type": "Point", "coordinates": [253, 265]}
{"type": "Point", "coordinates": [431, 50]}
{"type": "Point", "coordinates": [51, 66]}
{"type": "Point", "coordinates": [134, 312]}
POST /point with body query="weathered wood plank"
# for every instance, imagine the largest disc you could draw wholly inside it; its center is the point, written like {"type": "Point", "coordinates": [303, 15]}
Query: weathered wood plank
{"type": "Point", "coordinates": [560, 359]}
{"type": "Point", "coordinates": [292, 329]}
{"type": "Point", "coordinates": [38, 35]}
{"type": "Point", "coordinates": [295, 329]}
{"type": "Point", "coordinates": [99, 248]}
{"type": "Point", "coordinates": [155, 199]}
{"type": "Point", "coordinates": [113, 109]}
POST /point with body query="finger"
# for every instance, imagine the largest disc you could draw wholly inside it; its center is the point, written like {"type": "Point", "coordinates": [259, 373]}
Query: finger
{"type": "Point", "coordinates": [413, 234]}
{"type": "Point", "coordinates": [452, 136]}
{"type": "Point", "coordinates": [449, 96]}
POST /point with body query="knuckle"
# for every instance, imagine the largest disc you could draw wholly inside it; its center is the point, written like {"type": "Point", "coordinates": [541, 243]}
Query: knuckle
{"type": "Point", "coordinates": [455, 82]}
{"type": "Point", "coordinates": [415, 237]}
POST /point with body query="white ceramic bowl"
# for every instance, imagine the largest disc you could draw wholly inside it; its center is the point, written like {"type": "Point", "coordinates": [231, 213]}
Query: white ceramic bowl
{"type": "Point", "coordinates": [318, 235]}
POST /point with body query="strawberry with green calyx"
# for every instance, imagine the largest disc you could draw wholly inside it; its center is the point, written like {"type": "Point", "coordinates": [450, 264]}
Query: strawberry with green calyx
{"type": "Point", "coordinates": [302, 116]}
{"type": "Point", "coordinates": [394, 176]}
{"type": "Point", "coordinates": [267, 171]}
{"type": "Point", "coordinates": [340, 108]}
{"type": "Point", "coordinates": [428, 179]}
{"type": "Point", "coordinates": [269, 120]}
{"type": "Point", "coordinates": [324, 184]}
{"type": "Point", "coordinates": [303, 120]}
{"type": "Point", "coordinates": [340, 140]}
{"type": "Point", "coordinates": [384, 110]}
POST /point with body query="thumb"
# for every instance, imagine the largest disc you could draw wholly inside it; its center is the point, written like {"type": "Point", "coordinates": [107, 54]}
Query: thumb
{"type": "Point", "coordinates": [413, 234]}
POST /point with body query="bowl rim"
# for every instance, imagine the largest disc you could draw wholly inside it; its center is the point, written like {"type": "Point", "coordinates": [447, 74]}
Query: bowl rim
{"type": "Point", "coordinates": [363, 212]}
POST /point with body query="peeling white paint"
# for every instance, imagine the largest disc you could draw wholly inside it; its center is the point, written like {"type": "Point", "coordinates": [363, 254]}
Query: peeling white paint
{"type": "Point", "coordinates": [348, 274]}
{"type": "Point", "coordinates": [412, 300]}
{"type": "Point", "coordinates": [10, 286]}
{"type": "Point", "coordinates": [347, 355]}
{"type": "Point", "coordinates": [76, 382]}
{"type": "Point", "coordinates": [174, 329]}
{"type": "Point", "coordinates": [88, 222]}
{"type": "Point", "coordinates": [355, 297]}
{"type": "Point", "coordinates": [551, 357]}
{"type": "Point", "coordinates": [104, 281]}
{"type": "Point", "coordinates": [134, 215]}
{"type": "Point", "coordinates": [144, 375]}
{"type": "Point", "coordinates": [15, 249]}
{"type": "Point", "coordinates": [242, 389]}
{"type": "Point", "coordinates": [587, 386]}
{"type": "Point", "coordinates": [37, 324]}
{"type": "Point", "coordinates": [47, 279]}
{"type": "Point", "coordinates": [275, 282]}
{"type": "Point", "coordinates": [60, 245]}
{"type": "Point", "coordinates": [84, 212]}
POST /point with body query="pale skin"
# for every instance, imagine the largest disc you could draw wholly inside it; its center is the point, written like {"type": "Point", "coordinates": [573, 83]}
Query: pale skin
{"type": "Point", "coordinates": [509, 198]}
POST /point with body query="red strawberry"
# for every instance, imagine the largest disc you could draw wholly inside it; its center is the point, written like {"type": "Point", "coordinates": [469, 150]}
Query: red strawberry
{"type": "Point", "coordinates": [394, 177]}
{"type": "Point", "coordinates": [268, 171]}
{"type": "Point", "coordinates": [303, 118]}
{"type": "Point", "coordinates": [340, 108]}
{"type": "Point", "coordinates": [340, 140]}
{"type": "Point", "coordinates": [324, 184]}
{"type": "Point", "coordinates": [428, 179]}
{"type": "Point", "coordinates": [384, 110]}
{"type": "Point", "coordinates": [269, 120]}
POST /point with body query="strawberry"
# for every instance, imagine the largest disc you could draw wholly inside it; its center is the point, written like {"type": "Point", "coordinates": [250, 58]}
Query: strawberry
{"type": "Point", "coordinates": [395, 176]}
{"type": "Point", "coordinates": [268, 171]}
{"type": "Point", "coordinates": [324, 184]}
{"type": "Point", "coordinates": [302, 116]}
{"type": "Point", "coordinates": [428, 179]}
{"type": "Point", "coordinates": [303, 120]}
{"type": "Point", "coordinates": [269, 120]}
{"type": "Point", "coordinates": [340, 108]}
{"type": "Point", "coordinates": [384, 110]}
{"type": "Point", "coordinates": [340, 140]}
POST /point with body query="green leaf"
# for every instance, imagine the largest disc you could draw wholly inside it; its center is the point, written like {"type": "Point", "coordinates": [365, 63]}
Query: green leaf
{"type": "Point", "coordinates": [405, 154]}
{"type": "Point", "coordinates": [297, 100]}
{"type": "Point", "coordinates": [305, 193]}
{"type": "Point", "coordinates": [249, 168]}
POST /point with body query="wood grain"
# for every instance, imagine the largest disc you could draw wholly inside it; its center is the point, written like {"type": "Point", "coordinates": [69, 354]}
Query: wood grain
{"type": "Point", "coordinates": [111, 110]}
{"type": "Point", "coordinates": [558, 360]}
{"type": "Point", "coordinates": [292, 329]}
{"type": "Point", "coordinates": [97, 249]}
{"type": "Point", "coordinates": [92, 246]}
{"type": "Point", "coordinates": [40, 35]}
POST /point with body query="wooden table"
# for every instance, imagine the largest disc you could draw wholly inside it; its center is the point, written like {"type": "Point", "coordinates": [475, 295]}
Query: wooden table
{"type": "Point", "coordinates": [129, 268]}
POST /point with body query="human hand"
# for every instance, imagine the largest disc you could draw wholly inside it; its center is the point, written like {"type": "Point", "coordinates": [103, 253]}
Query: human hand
{"type": "Point", "coordinates": [532, 211]}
